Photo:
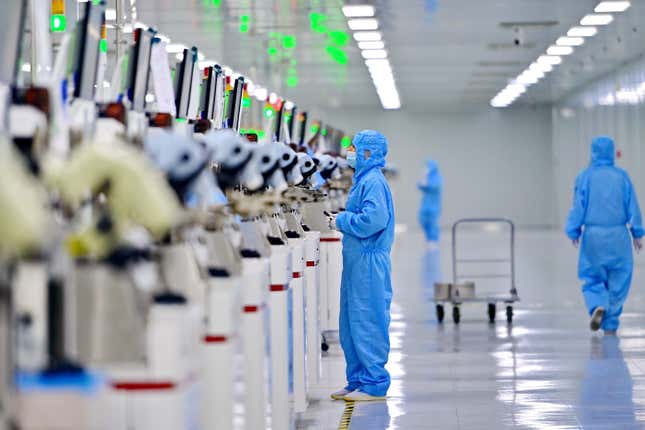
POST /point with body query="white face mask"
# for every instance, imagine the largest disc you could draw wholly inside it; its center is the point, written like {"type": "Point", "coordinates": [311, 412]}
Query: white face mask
{"type": "Point", "coordinates": [351, 159]}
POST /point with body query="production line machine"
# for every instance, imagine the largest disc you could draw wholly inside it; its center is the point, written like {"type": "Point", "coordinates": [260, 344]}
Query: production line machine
{"type": "Point", "coordinates": [149, 250]}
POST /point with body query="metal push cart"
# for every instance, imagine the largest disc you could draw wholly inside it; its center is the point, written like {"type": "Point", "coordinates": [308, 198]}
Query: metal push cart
{"type": "Point", "coordinates": [462, 288]}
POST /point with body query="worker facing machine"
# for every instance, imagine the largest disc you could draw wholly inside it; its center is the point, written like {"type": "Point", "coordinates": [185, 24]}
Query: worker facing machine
{"type": "Point", "coordinates": [367, 225]}
{"type": "Point", "coordinates": [606, 217]}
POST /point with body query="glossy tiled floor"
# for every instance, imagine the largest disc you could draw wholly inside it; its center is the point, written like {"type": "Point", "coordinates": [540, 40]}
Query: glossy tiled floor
{"type": "Point", "coordinates": [547, 371]}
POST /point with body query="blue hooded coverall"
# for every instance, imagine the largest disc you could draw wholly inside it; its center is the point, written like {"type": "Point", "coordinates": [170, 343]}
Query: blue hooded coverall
{"type": "Point", "coordinates": [605, 203]}
{"type": "Point", "coordinates": [431, 203]}
{"type": "Point", "coordinates": [366, 290]}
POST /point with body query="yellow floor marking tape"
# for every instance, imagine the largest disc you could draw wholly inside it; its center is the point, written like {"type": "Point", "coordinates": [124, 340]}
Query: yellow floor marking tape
{"type": "Point", "coordinates": [347, 416]}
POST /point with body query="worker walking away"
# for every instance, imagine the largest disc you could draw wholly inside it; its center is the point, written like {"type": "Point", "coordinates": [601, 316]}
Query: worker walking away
{"type": "Point", "coordinates": [430, 211]}
{"type": "Point", "coordinates": [366, 290]}
{"type": "Point", "coordinates": [606, 215]}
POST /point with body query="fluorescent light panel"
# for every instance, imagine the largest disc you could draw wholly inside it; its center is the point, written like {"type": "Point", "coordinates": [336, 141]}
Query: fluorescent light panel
{"type": "Point", "coordinates": [570, 41]}
{"type": "Point", "coordinates": [374, 54]}
{"type": "Point", "coordinates": [110, 14]}
{"type": "Point", "coordinates": [612, 6]}
{"type": "Point", "coordinates": [367, 36]}
{"type": "Point", "coordinates": [597, 19]}
{"type": "Point", "coordinates": [552, 60]}
{"type": "Point", "coordinates": [358, 11]}
{"type": "Point", "coordinates": [363, 24]}
{"type": "Point", "coordinates": [371, 45]}
{"type": "Point", "coordinates": [582, 32]}
{"type": "Point", "coordinates": [559, 50]}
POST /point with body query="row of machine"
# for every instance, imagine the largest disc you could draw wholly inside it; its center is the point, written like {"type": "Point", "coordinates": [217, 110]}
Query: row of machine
{"type": "Point", "coordinates": [166, 260]}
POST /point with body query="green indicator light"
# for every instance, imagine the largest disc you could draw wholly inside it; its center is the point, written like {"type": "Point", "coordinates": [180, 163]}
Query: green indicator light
{"type": "Point", "coordinates": [245, 19]}
{"type": "Point", "coordinates": [58, 23]}
{"type": "Point", "coordinates": [318, 21]}
{"type": "Point", "coordinates": [339, 38]}
{"type": "Point", "coordinates": [180, 119]}
{"type": "Point", "coordinates": [268, 112]}
{"type": "Point", "coordinates": [346, 142]}
{"type": "Point", "coordinates": [96, 2]}
{"type": "Point", "coordinates": [292, 81]}
{"type": "Point", "coordinates": [289, 42]}
{"type": "Point", "coordinates": [261, 134]}
{"type": "Point", "coordinates": [217, 3]}
{"type": "Point", "coordinates": [272, 51]}
{"type": "Point", "coordinates": [244, 28]}
{"type": "Point", "coordinates": [246, 102]}
{"type": "Point", "coordinates": [337, 54]}
{"type": "Point", "coordinates": [324, 132]}
{"type": "Point", "coordinates": [314, 129]}
{"type": "Point", "coordinates": [103, 45]}
{"type": "Point", "coordinates": [242, 131]}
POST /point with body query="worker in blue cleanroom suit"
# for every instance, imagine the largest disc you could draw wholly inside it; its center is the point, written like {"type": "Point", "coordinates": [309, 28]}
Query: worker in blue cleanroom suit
{"type": "Point", "coordinates": [366, 290]}
{"type": "Point", "coordinates": [605, 212]}
{"type": "Point", "coordinates": [431, 203]}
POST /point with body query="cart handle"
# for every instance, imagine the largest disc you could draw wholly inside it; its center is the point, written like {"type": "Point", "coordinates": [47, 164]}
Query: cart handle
{"type": "Point", "coordinates": [507, 221]}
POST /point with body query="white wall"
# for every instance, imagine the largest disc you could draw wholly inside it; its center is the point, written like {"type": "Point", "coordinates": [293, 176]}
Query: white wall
{"type": "Point", "coordinates": [613, 106]}
{"type": "Point", "coordinates": [494, 162]}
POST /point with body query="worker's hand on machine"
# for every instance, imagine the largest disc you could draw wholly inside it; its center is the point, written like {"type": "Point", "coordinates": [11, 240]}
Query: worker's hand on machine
{"type": "Point", "coordinates": [638, 244]}
{"type": "Point", "coordinates": [576, 243]}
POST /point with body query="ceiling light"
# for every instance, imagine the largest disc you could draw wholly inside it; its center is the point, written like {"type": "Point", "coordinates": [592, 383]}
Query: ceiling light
{"type": "Point", "coordinates": [526, 80]}
{"type": "Point", "coordinates": [582, 32]}
{"type": "Point", "coordinates": [363, 24]}
{"type": "Point", "coordinates": [175, 48]}
{"type": "Point", "coordinates": [559, 50]}
{"type": "Point", "coordinates": [570, 41]}
{"type": "Point", "coordinates": [498, 103]}
{"type": "Point", "coordinates": [533, 74]}
{"type": "Point", "coordinates": [544, 68]}
{"type": "Point", "coordinates": [377, 63]}
{"type": "Point", "coordinates": [594, 19]}
{"type": "Point", "coordinates": [549, 59]}
{"type": "Point", "coordinates": [367, 36]}
{"type": "Point", "coordinates": [516, 88]}
{"type": "Point", "coordinates": [374, 54]}
{"type": "Point", "coordinates": [371, 45]}
{"type": "Point", "coordinates": [261, 93]}
{"type": "Point", "coordinates": [179, 56]}
{"type": "Point", "coordinates": [273, 98]}
{"type": "Point", "coordinates": [110, 14]}
{"type": "Point", "coordinates": [127, 29]}
{"type": "Point", "coordinates": [612, 6]}
{"type": "Point", "coordinates": [227, 71]}
{"type": "Point", "coordinates": [358, 11]}
{"type": "Point", "coordinates": [150, 98]}
{"type": "Point", "coordinates": [140, 24]}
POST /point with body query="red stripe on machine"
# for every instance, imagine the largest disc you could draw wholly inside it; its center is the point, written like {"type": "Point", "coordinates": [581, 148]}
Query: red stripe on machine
{"type": "Point", "coordinates": [311, 263]}
{"type": "Point", "coordinates": [330, 239]}
{"type": "Point", "coordinates": [144, 386]}
{"type": "Point", "coordinates": [279, 287]}
{"type": "Point", "coordinates": [250, 309]}
{"type": "Point", "coordinates": [297, 275]}
{"type": "Point", "coordinates": [215, 339]}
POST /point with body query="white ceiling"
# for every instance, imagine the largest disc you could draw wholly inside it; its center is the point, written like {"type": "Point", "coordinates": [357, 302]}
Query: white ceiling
{"type": "Point", "coordinates": [438, 48]}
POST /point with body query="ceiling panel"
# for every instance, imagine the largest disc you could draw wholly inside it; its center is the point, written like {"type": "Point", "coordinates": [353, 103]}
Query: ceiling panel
{"type": "Point", "coordinates": [445, 53]}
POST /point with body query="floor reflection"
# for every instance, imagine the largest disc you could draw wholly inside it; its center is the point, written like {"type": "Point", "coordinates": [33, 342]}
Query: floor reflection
{"type": "Point", "coordinates": [372, 415]}
{"type": "Point", "coordinates": [606, 392]}
{"type": "Point", "coordinates": [430, 272]}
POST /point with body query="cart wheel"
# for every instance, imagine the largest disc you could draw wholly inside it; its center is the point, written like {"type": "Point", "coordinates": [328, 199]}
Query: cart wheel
{"type": "Point", "coordinates": [456, 314]}
{"type": "Point", "coordinates": [509, 314]}
{"type": "Point", "coordinates": [492, 311]}
{"type": "Point", "coordinates": [440, 313]}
